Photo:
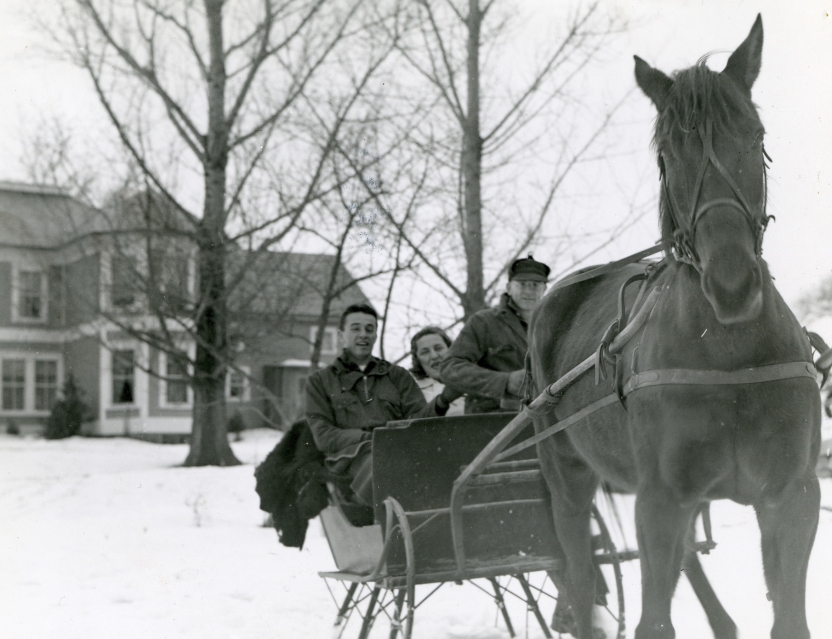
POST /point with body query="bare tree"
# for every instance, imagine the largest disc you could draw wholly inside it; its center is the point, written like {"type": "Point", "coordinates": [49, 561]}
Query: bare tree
{"type": "Point", "coordinates": [207, 92]}
{"type": "Point", "coordinates": [818, 304]}
{"type": "Point", "coordinates": [501, 141]}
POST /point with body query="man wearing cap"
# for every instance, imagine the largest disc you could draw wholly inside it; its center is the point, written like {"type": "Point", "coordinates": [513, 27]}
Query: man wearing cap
{"type": "Point", "coordinates": [486, 360]}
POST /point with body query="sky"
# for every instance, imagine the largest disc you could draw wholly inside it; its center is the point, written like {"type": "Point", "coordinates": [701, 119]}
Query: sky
{"type": "Point", "coordinates": [793, 92]}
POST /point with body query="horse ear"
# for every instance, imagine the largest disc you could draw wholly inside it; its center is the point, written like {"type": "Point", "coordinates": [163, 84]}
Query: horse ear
{"type": "Point", "coordinates": [744, 64]}
{"type": "Point", "coordinates": [655, 84]}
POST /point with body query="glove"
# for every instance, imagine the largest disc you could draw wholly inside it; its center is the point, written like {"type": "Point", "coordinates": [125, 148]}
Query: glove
{"type": "Point", "coordinates": [515, 382]}
{"type": "Point", "coordinates": [443, 401]}
{"type": "Point", "coordinates": [449, 394]}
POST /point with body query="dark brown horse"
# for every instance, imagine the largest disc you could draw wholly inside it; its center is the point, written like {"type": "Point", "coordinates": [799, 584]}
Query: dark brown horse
{"type": "Point", "coordinates": [720, 398]}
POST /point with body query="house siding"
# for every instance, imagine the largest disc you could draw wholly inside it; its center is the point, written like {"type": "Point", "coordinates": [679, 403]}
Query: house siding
{"type": "Point", "coordinates": [81, 290]}
{"type": "Point", "coordinates": [56, 311]}
{"type": "Point", "coordinates": [5, 293]}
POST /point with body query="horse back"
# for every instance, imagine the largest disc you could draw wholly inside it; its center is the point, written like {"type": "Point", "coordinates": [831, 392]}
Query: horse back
{"type": "Point", "coordinates": [567, 327]}
{"type": "Point", "coordinates": [569, 322]}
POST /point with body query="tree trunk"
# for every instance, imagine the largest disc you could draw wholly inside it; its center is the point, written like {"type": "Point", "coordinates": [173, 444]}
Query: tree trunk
{"type": "Point", "coordinates": [209, 435]}
{"type": "Point", "coordinates": [474, 299]}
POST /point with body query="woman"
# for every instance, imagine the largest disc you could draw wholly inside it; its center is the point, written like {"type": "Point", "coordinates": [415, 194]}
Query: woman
{"type": "Point", "coordinates": [428, 347]}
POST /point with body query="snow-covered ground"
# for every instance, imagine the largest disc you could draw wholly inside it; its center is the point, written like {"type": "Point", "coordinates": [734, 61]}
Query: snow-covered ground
{"type": "Point", "coordinates": [103, 538]}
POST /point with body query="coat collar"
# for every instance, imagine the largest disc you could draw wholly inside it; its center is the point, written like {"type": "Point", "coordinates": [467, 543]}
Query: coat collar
{"type": "Point", "coordinates": [508, 310]}
{"type": "Point", "coordinates": [348, 371]}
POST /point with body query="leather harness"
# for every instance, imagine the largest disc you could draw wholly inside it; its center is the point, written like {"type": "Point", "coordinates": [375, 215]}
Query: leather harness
{"type": "Point", "coordinates": [684, 251]}
{"type": "Point", "coordinates": [685, 233]}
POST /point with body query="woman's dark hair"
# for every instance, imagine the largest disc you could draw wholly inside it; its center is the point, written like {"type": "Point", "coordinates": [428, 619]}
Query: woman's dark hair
{"type": "Point", "coordinates": [415, 365]}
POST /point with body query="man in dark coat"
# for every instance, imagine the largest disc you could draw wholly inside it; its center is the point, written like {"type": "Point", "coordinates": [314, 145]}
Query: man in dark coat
{"type": "Point", "coordinates": [357, 393]}
{"type": "Point", "coordinates": [486, 361]}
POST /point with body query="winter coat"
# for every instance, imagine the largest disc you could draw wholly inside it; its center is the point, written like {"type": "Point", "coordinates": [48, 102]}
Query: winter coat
{"type": "Point", "coordinates": [344, 405]}
{"type": "Point", "coordinates": [492, 344]}
{"type": "Point", "coordinates": [291, 483]}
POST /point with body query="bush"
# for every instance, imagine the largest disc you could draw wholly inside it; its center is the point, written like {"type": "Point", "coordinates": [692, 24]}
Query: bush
{"type": "Point", "coordinates": [236, 425]}
{"type": "Point", "coordinates": [12, 428]}
{"type": "Point", "coordinates": [68, 413]}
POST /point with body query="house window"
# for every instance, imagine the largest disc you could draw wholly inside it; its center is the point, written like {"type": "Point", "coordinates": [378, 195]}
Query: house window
{"type": "Point", "coordinates": [46, 384]}
{"type": "Point", "coordinates": [30, 285]}
{"type": "Point", "coordinates": [123, 377]}
{"type": "Point", "coordinates": [329, 344]}
{"type": "Point", "coordinates": [176, 379]}
{"type": "Point", "coordinates": [237, 384]}
{"type": "Point", "coordinates": [123, 284]}
{"type": "Point", "coordinates": [14, 384]}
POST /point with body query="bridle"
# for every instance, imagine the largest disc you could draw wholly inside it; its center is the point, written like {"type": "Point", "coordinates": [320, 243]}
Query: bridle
{"type": "Point", "coordinates": [684, 235]}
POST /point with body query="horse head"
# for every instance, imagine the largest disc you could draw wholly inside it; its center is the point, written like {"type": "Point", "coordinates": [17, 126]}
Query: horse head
{"type": "Point", "coordinates": [709, 141]}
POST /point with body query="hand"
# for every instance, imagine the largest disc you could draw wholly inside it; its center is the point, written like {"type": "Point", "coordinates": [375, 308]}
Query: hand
{"type": "Point", "coordinates": [442, 402]}
{"type": "Point", "coordinates": [450, 394]}
{"type": "Point", "coordinates": [515, 382]}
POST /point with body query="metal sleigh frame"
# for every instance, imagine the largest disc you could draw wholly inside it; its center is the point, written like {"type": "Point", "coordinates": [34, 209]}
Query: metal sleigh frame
{"type": "Point", "coordinates": [370, 595]}
{"type": "Point", "coordinates": [373, 591]}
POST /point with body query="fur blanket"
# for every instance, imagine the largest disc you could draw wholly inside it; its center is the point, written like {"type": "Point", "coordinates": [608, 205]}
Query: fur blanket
{"type": "Point", "coordinates": [291, 483]}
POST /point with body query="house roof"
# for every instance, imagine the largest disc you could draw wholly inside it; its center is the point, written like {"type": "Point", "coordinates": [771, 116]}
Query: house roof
{"type": "Point", "coordinates": [40, 216]}
{"type": "Point", "coordinates": [147, 210]}
{"type": "Point", "coordinates": [271, 283]}
{"type": "Point", "coordinates": [281, 283]}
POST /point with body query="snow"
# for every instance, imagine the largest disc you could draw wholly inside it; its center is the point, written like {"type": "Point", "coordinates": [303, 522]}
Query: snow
{"type": "Point", "coordinates": [110, 537]}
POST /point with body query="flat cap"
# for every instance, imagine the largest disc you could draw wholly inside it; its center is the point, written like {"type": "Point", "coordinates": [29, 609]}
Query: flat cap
{"type": "Point", "coordinates": [528, 269]}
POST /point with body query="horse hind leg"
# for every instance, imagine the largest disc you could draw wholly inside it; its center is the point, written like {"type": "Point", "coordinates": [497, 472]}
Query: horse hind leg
{"type": "Point", "coordinates": [572, 487]}
{"type": "Point", "coordinates": [720, 621]}
{"type": "Point", "coordinates": [787, 527]}
{"type": "Point", "coordinates": [574, 534]}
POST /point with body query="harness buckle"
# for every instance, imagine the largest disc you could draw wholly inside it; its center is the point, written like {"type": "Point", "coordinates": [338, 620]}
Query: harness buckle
{"type": "Point", "coordinates": [602, 355]}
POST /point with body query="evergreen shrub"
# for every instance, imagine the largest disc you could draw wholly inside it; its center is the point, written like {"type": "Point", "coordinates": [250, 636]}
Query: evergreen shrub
{"type": "Point", "coordinates": [68, 413]}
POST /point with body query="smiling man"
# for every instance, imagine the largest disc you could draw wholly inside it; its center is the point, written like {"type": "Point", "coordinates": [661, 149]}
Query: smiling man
{"type": "Point", "coordinates": [486, 361]}
{"type": "Point", "coordinates": [357, 393]}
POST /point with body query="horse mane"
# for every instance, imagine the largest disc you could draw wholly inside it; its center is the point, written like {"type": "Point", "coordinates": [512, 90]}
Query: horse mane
{"type": "Point", "coordinates": [697, 94]}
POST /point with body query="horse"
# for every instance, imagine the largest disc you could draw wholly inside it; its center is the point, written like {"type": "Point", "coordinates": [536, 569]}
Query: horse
{"type": "Point", "coordinates": [718, 397]}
